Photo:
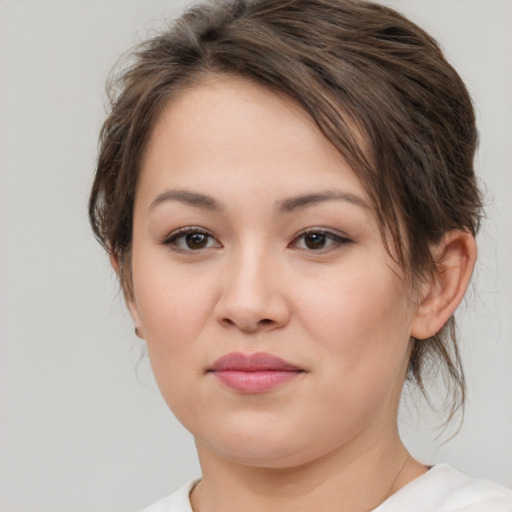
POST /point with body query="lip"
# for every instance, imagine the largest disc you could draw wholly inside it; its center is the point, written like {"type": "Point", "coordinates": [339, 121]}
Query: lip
{"type": "Point", "coordinates": [253, 373]}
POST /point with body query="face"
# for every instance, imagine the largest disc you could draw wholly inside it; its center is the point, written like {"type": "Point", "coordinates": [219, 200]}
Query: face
{"type": "Point", "coordinates": [277, 325]}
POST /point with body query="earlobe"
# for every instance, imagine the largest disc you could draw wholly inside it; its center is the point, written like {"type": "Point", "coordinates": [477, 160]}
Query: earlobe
{"type": "Point", "coordinates": [455, 258]}
{"type": "Point", "coordinates": [129, 298]}
{"type": "Point", "coordinates": [139, 332]}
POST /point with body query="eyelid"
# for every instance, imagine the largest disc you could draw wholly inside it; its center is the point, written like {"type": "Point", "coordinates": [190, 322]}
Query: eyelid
{"type": "Point", "coordinates": [170, 239]}
{"type": "Point", "coordinates": [338, 239]}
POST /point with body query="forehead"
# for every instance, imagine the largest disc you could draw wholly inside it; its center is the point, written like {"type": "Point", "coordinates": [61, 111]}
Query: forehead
{"type": "Point", "coordinates": [229, 127]}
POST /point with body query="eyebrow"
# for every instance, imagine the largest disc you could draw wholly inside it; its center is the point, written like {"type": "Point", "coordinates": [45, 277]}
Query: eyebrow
{"type": "Point", "coordinates": [288, 205]}
{"type": "Point", "coordinates": [195, 199]}
{"type": "Point", "coordinates": [300, 202]}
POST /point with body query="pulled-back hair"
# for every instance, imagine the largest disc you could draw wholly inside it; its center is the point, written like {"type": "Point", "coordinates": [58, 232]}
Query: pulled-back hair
{"type": "Point", "coordinates": [377, 86]}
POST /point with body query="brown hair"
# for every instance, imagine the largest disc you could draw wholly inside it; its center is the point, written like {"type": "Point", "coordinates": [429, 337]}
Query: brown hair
{"type": "Point", "coordinates": [354, 66]}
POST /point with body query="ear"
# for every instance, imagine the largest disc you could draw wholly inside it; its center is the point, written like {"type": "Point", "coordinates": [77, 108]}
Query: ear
{"type": "Point", "coordinates": [455, 258]}
{"type": "Point", "coordinates": [128, 295]}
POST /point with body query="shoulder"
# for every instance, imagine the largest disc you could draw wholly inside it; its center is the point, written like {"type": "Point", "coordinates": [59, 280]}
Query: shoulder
{"type": "Point", "coordinates": [178, 501]}
{"type": "Point", "coordinates": [444, 489]}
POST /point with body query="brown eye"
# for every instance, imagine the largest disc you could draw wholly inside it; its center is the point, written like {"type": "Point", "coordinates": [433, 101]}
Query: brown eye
{"type": "Point", "coordinates": [191, 239]}
{"type": "Point", "coordinates": [315, 240]}
{"type": "Point", "coordinates": [196, 240]}
{"type": "Point", "coordinates": [319, 241]}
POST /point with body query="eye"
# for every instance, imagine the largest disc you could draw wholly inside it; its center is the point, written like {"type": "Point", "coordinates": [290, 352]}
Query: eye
{"type": "Point", "coordinates": [191, 239]}
{"type": "Point", "coordinates": [318, 240]}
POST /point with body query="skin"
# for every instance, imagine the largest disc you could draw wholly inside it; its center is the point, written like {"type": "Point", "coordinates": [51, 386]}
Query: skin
{"type": "Point", "coordinates": [340, 311]}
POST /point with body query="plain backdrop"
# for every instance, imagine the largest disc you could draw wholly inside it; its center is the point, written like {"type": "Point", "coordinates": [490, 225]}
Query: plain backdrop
{"type": "Point", "coordinates": [82, 426]}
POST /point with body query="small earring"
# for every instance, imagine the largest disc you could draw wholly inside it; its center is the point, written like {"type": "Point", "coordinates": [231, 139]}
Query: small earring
{"type": "Point", "coordinates": [137, 333]}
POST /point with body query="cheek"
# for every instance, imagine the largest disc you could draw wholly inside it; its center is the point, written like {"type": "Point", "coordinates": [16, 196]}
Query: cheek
{"type": "Point", "coordinates": [169, 299]}
{"type": "Point", "coordinates": [361, 334]}
{"type": "Point", "coordinates": [361, 321]}
{"type": "Point", "coordinates": [172, 311]}
{"type": "Point", "coordinates": [360, 298]}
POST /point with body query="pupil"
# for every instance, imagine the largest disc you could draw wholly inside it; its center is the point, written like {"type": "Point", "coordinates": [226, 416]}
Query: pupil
{"type": "Point", "coordinates": [315, 241]}
{"type": "Point", "coordinates": [196, 240]}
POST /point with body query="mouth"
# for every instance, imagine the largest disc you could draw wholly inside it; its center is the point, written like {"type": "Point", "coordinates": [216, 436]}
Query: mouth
{"type": "Point", "coordinates": [253, 373]}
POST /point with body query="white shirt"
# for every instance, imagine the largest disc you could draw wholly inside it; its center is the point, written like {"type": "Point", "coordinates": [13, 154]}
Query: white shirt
{"type": "Point", "coordinates": [442, 489]}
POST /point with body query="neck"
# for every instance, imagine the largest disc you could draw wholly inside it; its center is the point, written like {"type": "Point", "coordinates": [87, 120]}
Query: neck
{"type": "Point", "coordinates": [351, 479]}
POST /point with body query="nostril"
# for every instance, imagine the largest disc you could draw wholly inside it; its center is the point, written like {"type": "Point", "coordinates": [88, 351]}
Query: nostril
{"type": "Point", "coordinates": [264, 322]}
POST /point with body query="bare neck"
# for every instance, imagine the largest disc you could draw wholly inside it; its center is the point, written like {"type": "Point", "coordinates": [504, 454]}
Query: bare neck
{"type": "Point", "coordinates": [351, 479]}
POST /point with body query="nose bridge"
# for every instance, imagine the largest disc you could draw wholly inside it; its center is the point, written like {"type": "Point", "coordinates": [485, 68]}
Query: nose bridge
{"type": "Point", "coordinates": [252, 297]}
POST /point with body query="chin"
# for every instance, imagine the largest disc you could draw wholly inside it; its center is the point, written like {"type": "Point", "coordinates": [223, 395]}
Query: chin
{"type": "Point", "coordinates": [267, 445]}
{"type": "Point", "coordinates": [262, 454]}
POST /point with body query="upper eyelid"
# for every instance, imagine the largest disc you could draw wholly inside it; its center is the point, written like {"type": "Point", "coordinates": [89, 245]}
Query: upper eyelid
{"type": "Point", "coordinates": [172, 239]}
{"type": "Point", "coordinates": [334, 234]}
{"type": "Point", "coordinates": [323, 231]}
{"type": "Point", "coordinates": [337, 240]}
{"type": "Point", "coordinates": [187, 229]}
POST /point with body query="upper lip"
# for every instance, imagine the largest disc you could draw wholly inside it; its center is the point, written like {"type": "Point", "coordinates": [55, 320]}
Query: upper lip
{"type": "Point", "coordinates": [259, 361]}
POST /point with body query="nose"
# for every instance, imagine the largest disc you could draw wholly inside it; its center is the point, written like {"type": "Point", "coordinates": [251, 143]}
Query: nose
{"type": "Point", "coordinates": [253, 297]}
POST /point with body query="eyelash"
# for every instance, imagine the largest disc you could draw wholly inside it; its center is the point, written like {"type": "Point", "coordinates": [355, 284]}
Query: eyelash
{"type": "Point", "coordinates": [335, 239]}
{"type": "Point", "coordinates": [180, 236]}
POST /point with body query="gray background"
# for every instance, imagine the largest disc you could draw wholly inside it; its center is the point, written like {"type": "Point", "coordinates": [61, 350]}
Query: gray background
{"type": "Point", "coordinates": [82, 426]}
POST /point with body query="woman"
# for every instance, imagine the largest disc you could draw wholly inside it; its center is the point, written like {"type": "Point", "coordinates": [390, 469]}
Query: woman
{"type": "Point", "coordinates": [286, 191]}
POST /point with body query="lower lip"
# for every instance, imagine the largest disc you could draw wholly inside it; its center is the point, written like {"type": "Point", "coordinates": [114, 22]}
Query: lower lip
{"type": "Point", "coordinates": [257, 381]}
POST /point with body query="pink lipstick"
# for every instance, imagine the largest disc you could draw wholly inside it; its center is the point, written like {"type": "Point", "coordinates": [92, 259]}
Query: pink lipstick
{"type": "Point", "coordinates": [253, 373]}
